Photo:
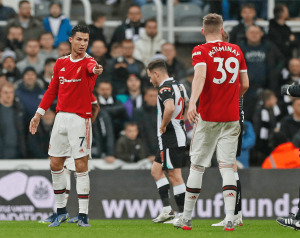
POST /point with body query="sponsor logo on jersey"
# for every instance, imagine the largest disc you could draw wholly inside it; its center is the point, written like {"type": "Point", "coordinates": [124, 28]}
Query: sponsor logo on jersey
{"type": "Point", "coordinates": [223, 48]}
{"type": "Point", "coordinates": [196, 53]}
{"type": "Point", "coordinates": [165, 89]}
{"type": "Point", "coordinates": [63, 69]}
{"type": "Point", "coordinates": [62, 80]}
{"type": "Point", "coordinates": [78, 69]}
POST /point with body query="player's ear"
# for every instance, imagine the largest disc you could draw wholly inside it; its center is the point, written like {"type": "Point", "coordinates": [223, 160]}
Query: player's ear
{"type": "Point", "coordinates": [222, 31]}
{"type": "Point", "coordinates": [202, 31]}
{"type": "Point", "coordinates": [70, 39]}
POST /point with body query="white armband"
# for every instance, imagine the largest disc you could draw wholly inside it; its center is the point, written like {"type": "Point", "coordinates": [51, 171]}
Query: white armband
{"type": "Point", "coordinates": [287, 92]}
{"type": "Point", "coordinates": [41, 111]}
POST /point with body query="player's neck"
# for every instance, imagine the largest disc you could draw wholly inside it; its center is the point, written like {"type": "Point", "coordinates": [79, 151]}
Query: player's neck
{"type": "Point", "coordinates": [163, 79]}
{"type": "Point", "coordinates": [76, 56]}
{"type": "Point", "coordinates": [213, 38]}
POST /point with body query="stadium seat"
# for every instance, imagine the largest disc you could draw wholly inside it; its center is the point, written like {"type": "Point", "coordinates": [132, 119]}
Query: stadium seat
{"type": "Point", "coordinates": [42, 9]}
{"type": "Point", "coordinates": [188, 15]}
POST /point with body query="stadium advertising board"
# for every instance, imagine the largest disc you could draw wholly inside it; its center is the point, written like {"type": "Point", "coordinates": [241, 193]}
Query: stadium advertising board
{"type": "Point", "coordinates": [119, 194]}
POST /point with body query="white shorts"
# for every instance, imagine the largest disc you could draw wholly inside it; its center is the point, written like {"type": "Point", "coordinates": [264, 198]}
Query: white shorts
{"type": "Point", "coordinates": [208, 136]}
{"type": "Point", "coordinates": [71, 136]}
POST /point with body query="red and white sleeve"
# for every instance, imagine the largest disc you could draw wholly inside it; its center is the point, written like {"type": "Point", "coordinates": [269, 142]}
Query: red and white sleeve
{"type": "Point", "coordinates": [198, 57]}
{"type": "Point", "coordinates": [93, 99]}
{"type": "Point", "coordinates": [243, 66]}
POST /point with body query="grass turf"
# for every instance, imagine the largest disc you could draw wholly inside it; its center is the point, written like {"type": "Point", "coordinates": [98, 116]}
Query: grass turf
{"type": "Point", "coordinates": [143, 229]}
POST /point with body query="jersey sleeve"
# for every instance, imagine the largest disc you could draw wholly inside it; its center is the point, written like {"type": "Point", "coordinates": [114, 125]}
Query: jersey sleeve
{"type": "Point", "coordinates": [91, 65]}
{"type": "Point", "coordinates": [93, 99]}
{"type": "Point", "coordinates": [243, 66]}
{"type": "Point", "coordinates": [198, 57]}
{"type": "Point", "coordinates": [166, 93]}
{"type": "Point", "coordinates": [51, 92]}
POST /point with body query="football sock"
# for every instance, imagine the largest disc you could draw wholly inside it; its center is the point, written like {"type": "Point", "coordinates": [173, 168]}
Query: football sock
{"type": "Point", "coordinates": [59, 187]}
{"type": "Point", "coordinates": [83, 190]}
{"type": "Point", "coordinates": [68, 184]}
{"type": "Point", "coordinates": [193, 188]}
{"type": "Point", "coordinates": [229, 190]}
{"type": "Point", "coordinates": [298, 213]}
{"type": "Point", "coordinates": [163, 187]}
{"type": "Point", "coordinates": [179, 194]}
{"type": "Point", "coordinates": [238, 204]}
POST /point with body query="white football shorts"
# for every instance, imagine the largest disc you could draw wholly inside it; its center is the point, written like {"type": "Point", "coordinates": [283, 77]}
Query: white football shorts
{"type": "Point", "coordinates": [208, 136]}
{"type": "Point", "coordinates": [71, 136]}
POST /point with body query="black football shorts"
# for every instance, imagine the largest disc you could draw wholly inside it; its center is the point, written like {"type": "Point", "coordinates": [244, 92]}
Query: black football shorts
{"type": "Point", "coordinates": [171, 158]}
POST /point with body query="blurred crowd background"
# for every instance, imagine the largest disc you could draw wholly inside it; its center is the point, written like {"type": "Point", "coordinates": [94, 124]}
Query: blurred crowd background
{"type": "Point", "coordinates": [126, 125]}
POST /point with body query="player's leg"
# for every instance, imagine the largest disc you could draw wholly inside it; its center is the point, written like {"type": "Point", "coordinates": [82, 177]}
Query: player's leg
{"type": "Point", "coordinates": [163, 188]}
{"type": "Point", "coordinates": [238, 216]}
{"type": "Point", "coordinates": [179, 188]}
{"type": "Point", "coordinates": [226, 155]}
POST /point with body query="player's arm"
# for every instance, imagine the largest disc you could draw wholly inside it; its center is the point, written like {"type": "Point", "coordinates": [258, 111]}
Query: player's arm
{"type": "Point", "coordinates": [244, 83]}
{"type": "Point", "coordinates": [93, 67]}
{"type": "Point", "coordinates": [46, 101]}
{"type": "Point", "coordinates": [197, 87]}
{"type": "Point", "coordinates": [292, 90]}
{"type": "Point", "coordinates": [95, 108]}
{"type": "Point", "coordinates": [168, 114]}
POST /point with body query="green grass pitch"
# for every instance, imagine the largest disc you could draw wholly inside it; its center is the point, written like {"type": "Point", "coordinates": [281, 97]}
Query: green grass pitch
{"type": "Point", "coordinates": [143, 229]}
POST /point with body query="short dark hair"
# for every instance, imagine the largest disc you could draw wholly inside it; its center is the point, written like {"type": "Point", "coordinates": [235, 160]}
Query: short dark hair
{"type": "Point", "coordinates": [150, 20]}
{"type": "Point", "coordinates": [22, 2]}
{"type": "Point", "coordinates": [80, 28]}
{"type": "Point", "coordinates": [105, 81]}
{"type": "Point", "coordinates": [158, 64]}
{"type": "Point", "coordinates": [130, 124]}
{"type": "Point", "coordinates": [248, 5]}
{"type": "Point", "coordinates": [97, 14]}
{"type": "Point", "coordinates": [267, 94]}
{"type": "Point", "coordinates": [278, 10]}
{"type": "Point", "coordinates": [116, 45]}
{"type": "Point", "coordinates": [147, 89]}
{"type": "Point", "coordinates": [49, 61]}
{"type": "Point", "coordinates": [33, 39]}
{"type": "Point", "coordinates": [46, 33]}
{"type": "Point", "coordinates": [134, 5]}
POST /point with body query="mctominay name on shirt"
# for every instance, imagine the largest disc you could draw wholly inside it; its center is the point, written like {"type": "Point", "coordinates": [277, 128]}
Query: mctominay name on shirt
{"type": "Point", "coordinates": [223, 48]}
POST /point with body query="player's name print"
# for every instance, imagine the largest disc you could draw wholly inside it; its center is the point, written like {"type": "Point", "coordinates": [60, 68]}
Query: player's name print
{"type": "Point", "coordinates": [223, 48]}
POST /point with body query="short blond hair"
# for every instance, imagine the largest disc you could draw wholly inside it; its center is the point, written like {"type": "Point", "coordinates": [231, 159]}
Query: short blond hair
{"type": "Point", "coordinates": [212, 23]}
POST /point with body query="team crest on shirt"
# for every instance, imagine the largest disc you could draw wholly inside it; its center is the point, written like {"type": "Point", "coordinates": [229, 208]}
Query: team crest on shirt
{"type": "Point", "coordinates": [78, 69]}
{"type": "Point", "coordinates": [165, 89]}
{"type": "Point", "coordinates": [180, 88]}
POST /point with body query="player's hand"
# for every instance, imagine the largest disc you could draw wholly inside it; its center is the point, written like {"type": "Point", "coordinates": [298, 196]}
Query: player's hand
{"type": "Point", "coordinates": [34, 123]}
{"type": "Point", "coordinates": [192, 113]}
{"type": "Point", "coordinates": [284, 89]}
{"type": "Point", "coordinates": [110, 159]}
{"type": "Point", "coordinates": [162, 129]}
{"type": "Point", "coordinates": [98, 69]}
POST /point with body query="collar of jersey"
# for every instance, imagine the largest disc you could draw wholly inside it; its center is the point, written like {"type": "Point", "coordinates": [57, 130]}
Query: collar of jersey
{"type": "Point", "coordinates": [214, 41]}
{"type": "Point", "coordinates": [168, 79]}
{"type": "Point", "coordinates": [74, 61]}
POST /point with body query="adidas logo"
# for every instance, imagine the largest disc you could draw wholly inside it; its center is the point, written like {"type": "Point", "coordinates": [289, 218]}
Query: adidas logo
{"type": "Point", "coordinates": [192, 197]}
{"type": "Point", "coordinates": [230, 195]}
{"type": "Point", "coordinates": [82, 151]}
{"type": "Point", "coordinates": [63, 69]}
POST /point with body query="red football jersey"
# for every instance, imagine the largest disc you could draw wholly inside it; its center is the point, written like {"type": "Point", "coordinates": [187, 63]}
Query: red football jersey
{"type": "Point", "coordinates": [219, 100]}
{"type": "Point", "coordinates": [73, 81]}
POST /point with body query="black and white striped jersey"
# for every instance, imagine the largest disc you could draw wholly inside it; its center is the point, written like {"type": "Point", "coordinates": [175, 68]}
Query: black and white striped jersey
{"type": "Point", "coordinates": [175, 135]}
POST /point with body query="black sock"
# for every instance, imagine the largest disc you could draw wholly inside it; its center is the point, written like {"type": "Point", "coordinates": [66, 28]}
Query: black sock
{"type": "Point", "coordinates": [298, 213]}
{"type": "Point", "coordinates": [61, 211]}
{"type": "Point", "coordinates": [164, 194]}
{"type": "Point", "coordinates": [238, 202]}
{"type": "Point", "coordinates": [179, 198]}
{"type": "Point", "coordinates": [81, 216]}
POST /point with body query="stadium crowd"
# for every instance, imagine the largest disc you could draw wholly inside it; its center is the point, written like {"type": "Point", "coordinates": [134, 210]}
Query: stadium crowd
{"type": "Point", "coordinates": [126, 125]}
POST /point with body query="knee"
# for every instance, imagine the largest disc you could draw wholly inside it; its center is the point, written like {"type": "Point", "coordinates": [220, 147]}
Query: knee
{"type": "Point", "coordinates": [81, 167]}
{"type": "Point", "coordinates": [155, 174]}
{"type": "Point", "coordinates": [55, 165]}
{"type": "Point", "coordinates": [197, 168]}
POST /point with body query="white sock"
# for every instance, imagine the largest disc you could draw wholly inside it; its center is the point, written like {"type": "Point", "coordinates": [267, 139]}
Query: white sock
{"type": "Point", "coordinates": [236, 176]}
{"type": "Point", "coordinates": [193, 188]}
{"type": "Point", "coordinates": [59, 187]}
{"type": "Point", "coordinates": [83, 190]}
{"type": "Point", "coordinates": [229, 190]}
{"type": "Point", "coordinates": [68, 185]}
{"type": "Point", "coordinates": [167, 209]}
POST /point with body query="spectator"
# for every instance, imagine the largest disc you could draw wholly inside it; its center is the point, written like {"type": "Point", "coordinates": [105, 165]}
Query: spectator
{"type": "Point", "coordinates": [247, 144]}
{"type": "Point", "coordinates": [3, 80]}
{"type": "Point", "coordinates": [176, 68]}
{"type": "Point", "coordinates": [292, 76]}
{"type": "Point", "coordinates": [265, 120]}
{"type": "Point", "coordinates": [32, 27]}
{"type": "Point", "coordinates": [264, 63]}
{"type": "Point", "coordinates": [9, 66]}
{"type": "Point", "coordinates": [30, 92]}
{"type": "Point", "coordinates": [12, 128]}
{"type": "Point", "coordinates": [46, 42]}
{"type": "Point", "coordinates": [48, 72]}
{"type": "Point", "coordinates": [118, 75]}
{"type": "Point", "coordinates": [187, 82]}
{"type": "Point", "coordinates": [238, 33]}
{"type": "Point", "coordinates": [58, 24]}
{"type": "Point", "coordinates": [96, 29]}
{"type": "Point", "coordinates": [132, 28]}
{"type": "Point", "coordinates": [103, 137]}
{"type": "Point", "coordinates": [98, 51]}
{"type": "Point", "coordinates": [146, 118]}
{"type": "Point", "coordinates": [280, 34]}
{"type": "Point", "coordinates": [6, 12]}
{"type": "Point", "coordinates": [38, 144]}
{"type": "Point", "coordinates": [290, 125]}
{"type": "Point", "coordinates": [133, 98]}
{"type": "Point", "coordinates": [134, 66]}
{"type": "Point", "coordinates": [14, 42]}
{"type": "Point", "coordinates": [116, 50]}
{"type": "Point", "coordinates": [63, 49]}
{"type": "Point", "coordinates": [33, 58]}
{"type": "Point", "coordinates": [129, 147]}
{"type": "Point", "coordinates": [149, 43]}
{"type": "Point", "coordinates": [115, 109]}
